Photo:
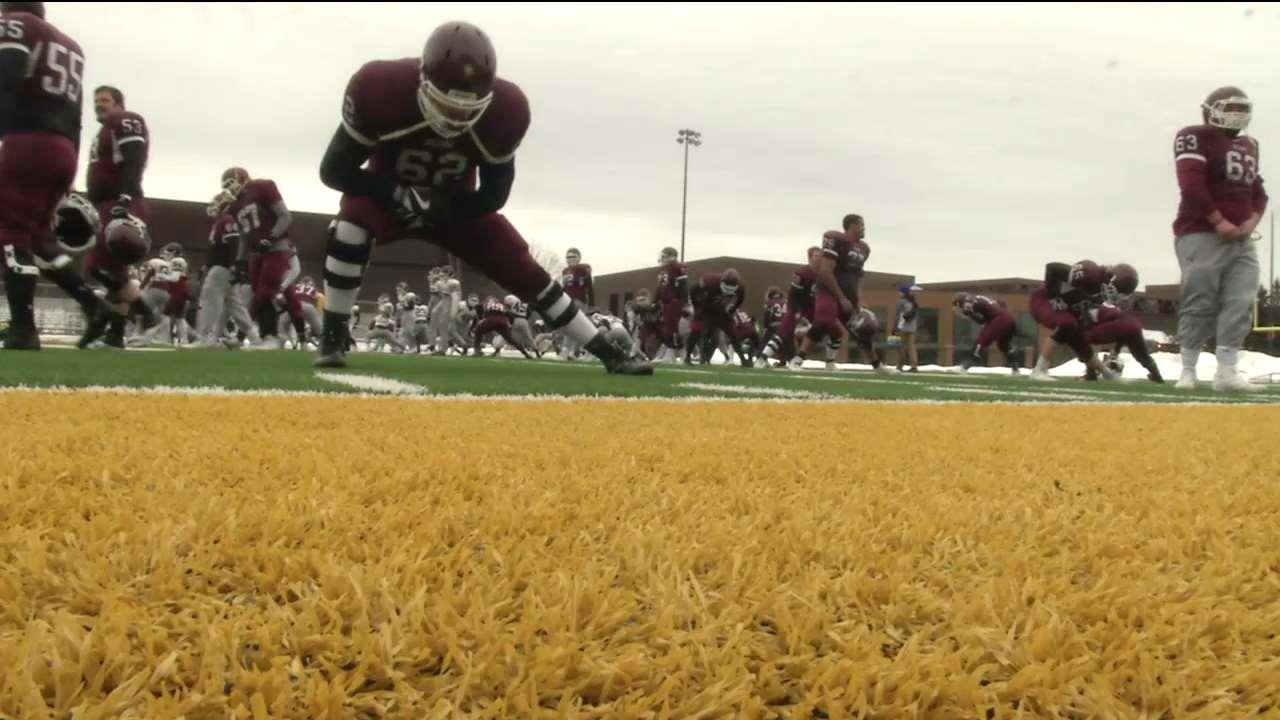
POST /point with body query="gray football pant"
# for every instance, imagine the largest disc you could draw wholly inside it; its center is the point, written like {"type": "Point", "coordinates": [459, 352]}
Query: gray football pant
{"type": "Point", "coordinates": [1219, 285]}
{"type": "Point", "coordinates": [441, 322]}
{"type": "Point", "coordinates": [220, 301]}
{"type": "Point", "coordinates": [522, 332]}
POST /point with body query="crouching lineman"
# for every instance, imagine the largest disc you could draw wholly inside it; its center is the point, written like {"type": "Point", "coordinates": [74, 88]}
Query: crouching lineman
{"type": "Point", "coordinates": [123, 242]}
{"type": "Point", "coordinates": [521, 330]}
{"type": "Point", "coordinates": [799, 307]}
{"type": "Point", "coordinates": [494, 320]}
{"type": "Point", "coordinates": [863, 329]}
{"type": "Point", "coordinates": [616, 329]}
{"type": "Point", "coordinates": [428, 129]}
{"type": "Point", "coordinates": [998, 327]}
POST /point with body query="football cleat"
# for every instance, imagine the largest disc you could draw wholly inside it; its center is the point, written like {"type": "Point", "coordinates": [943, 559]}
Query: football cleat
{"type": "Point", "coordinates": [1228, 380]}
{"type": "Point", "coordinates": [21, 338]}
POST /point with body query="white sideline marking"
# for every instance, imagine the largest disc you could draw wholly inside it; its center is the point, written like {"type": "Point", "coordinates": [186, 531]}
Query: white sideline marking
{"type": "Point", "coordinates": [218, 391]}
{"type": "Point", "coordinates": [759, 390]}
{"type": "Point", "coordinates": [372, 383]}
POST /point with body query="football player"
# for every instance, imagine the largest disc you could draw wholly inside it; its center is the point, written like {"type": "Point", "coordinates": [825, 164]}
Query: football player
{"type": "Point", "coordinates": [745, 337]}
{"type": "Point", "coordinates": [220, 298]}
{"type": "Point", "coordinates": [418, 328]}
{"type": "Point", "coordinates": [864, 328]}
{"type": "Point", "coordinates": [40, 107]}
{"type": "Point", "coordinates": [494, 320]}
{"type": "Point", "coordinates": [428, 127]}
{"type": "Point", "coordinates": [465, 321]}
{"type": "Point", "coordinates": [800, 299]}
{"type": "Point", "coordinates": [998, 327]}
{"type": "Point", "coordinates": [265, 248]}
{"type": "Point", "coordinates": [1222, 201]}
{"type": "Point", "coordinates": [715, 299]}
{"type": "Point", "coordinates": [308, 297]}
{"type": "Point", "coordinates": [838, 273]}
{"type": "Point", "coordinates": [520, 328]}
{"type": "Point", "coordinates": [648, 329]}
{"type": "Point", "coordinates": [382, 330]}
{"type": "Point", "coordinates": [672, 295]}
{"type": "Point", "coordinates": [617, 331]}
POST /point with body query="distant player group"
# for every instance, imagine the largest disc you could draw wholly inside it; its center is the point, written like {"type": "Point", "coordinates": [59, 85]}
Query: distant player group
{"type": "Point", "coordinates": [425, 151]}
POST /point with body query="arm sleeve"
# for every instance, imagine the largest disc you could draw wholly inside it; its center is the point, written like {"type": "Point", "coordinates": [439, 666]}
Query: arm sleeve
{"type": "Point", "coordinates": [131, 168]}
{"type": "Point", "coordinates": [341, 169]}
{"type": "Point", "coordinates": [13, 68]}
{"type": "Point", "coordinates": [495, 188]}
{"type": "Point", "coordinates": [1055, 275]}
{"type": "Point", "coordinates": [591, 288]}
{"type": "Point", "coordinates": [1259, 197]}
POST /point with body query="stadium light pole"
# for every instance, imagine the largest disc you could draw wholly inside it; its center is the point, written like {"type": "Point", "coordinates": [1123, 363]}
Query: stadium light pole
{"type": "Point", "coordinates": [686, 138]}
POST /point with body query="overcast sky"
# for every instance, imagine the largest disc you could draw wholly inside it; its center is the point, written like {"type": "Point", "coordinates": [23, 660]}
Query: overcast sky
{"type": "Point", "coordinates": [978, 141]}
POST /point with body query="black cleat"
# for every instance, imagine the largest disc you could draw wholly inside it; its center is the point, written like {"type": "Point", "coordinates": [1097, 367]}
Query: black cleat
{"type": "Point", "coordinates": [335, 359]}
{"type": "Point", "coordinates": [22, 338]}
{"type": "Point", "coordinates": [615, 359]}
{"type": "Point", "coordinates": [95, 328]}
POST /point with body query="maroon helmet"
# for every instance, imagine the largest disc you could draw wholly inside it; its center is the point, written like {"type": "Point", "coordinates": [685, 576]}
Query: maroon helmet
{"type": "Point", "coordinates": [1227, 108]}
{"type": "Point", "coordinates": [1086, 275]}
{"type": "Point", "coordinates": [459, 66]}
{"type": "Point", "coordinates": [234, 179]}
{"type": "Point", "coordinates": [34, 8]}
{"type": "Point", "coordinates": [127, 239]}
{"type": "Point", "coordinates": [730, 281]}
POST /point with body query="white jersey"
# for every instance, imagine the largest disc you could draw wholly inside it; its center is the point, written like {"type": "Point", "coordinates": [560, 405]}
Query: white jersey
{"type": "Point", "coordinates": [383, 322]}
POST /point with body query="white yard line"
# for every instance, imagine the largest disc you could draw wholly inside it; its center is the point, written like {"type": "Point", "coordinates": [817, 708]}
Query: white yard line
{"type": "Point", "coordinates": [217, 391]}
{"type": "Point", "coordinates": [373, 383]}
{"type": "Point", "coordinates": [756, 390]}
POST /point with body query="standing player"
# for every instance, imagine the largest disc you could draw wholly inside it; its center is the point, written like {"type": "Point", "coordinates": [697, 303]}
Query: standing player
{"type": "Point", "coordinates": [998, 327]}
{"type": "Point", "coordinates": [800, 298]}
{"type": "Point", "coordinates": [264, 238]}
{"type": "Point", "coordinates": [838, 275]}
{"type": "Point", "coordinates": [219, 298]}
{"type": "Point", "coordinates": [1222, 201]}
{"type": "Point", "coordinates": [429, 128]}
{"type": "Point", "coordinates": [672, 294]}
{"type": "Point", "coordinates": [577, 282]}
{"type": "Point", "coordinates": [41, 70]}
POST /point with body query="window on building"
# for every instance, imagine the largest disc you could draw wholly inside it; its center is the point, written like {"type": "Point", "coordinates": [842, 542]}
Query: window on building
{"type": "Point", "coordinates": [927, 345]}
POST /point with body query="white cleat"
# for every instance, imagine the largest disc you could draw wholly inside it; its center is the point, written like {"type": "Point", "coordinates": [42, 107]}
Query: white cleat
{"type": "Point", "coordinates": [795, 364]}
{"type": "Point", "coordinates": [1039, 375]}
{"type": "Point", "coordinates": [762, 363]}
{"type": "Point", "coordinates": [271, 343]}
{"type": "Point", "coordinates": [1228, 380]}
{"type": "Point", "coordinates": [1187, 381]}
{"type": "Point", "coordinates": [831, 365]}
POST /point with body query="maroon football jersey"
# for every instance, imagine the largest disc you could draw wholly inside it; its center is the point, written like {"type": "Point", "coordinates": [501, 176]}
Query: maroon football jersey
{"type": "Point", "coordinates": [669, 278]}
{"type": "Point", "coordinates": [1218, 171]}
{"type": "Point", "coordinates": [381, 111]}
{"type": "Point", "coordinates": [51, 96]}
{"type": "Point", "coordinates": [801, 294]}
{"type": "Point", "coordinates": [224, 239]}
{"type": "Point", "coordinates": [774, 310]}
{"type": "Point", "coordinates": [576, 281]}
{"type": "Point", "coordinates": [708, 296]}
{"type": "Point", "coordinates": [982, 310]}
{"type": "Point", "coordinates": [850, 255]}
{"type": "Point", "coordinates": [106, 163]}
{"type": "Point", "coordinates": [305, 293]}
{"type": "Point", "coordinates": [254, 210]}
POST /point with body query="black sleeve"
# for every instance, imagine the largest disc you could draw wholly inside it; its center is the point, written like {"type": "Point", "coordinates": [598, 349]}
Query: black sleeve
{"type": "Point", "coordinates": [131, 168]}
{"type": "Point", "coordinates": [13, 69]}
{"type": "Point", "coordinates": [591, 291]}
{"type": "Point", "coordinates": [1055, 274]}
{"type": "Point", "coordinates": [341, 169]}
{"type": "Point", "coordinates": [495, 188]}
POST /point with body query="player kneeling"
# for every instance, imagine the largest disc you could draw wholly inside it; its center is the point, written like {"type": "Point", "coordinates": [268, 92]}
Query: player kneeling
{"type": "Point", "coordinates": [125, 241]}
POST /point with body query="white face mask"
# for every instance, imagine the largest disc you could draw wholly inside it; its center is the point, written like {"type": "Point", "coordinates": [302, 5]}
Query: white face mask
{"type": "Point", "coordinates": [453, 113]}
{"type": "Point", "coordinates": [1233, 113]}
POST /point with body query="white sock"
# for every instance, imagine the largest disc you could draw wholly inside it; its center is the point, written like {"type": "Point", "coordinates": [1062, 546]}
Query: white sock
{"type": "Point", "coordinates": [340, 300]}
{"type": "Point", "coordinates": [1042, 364]}
{"type": "Point", "coordinates": [1189, 358]}
{"type": "Point", "coordinates": [1227, 357]}
{"type": "Point", "coordinates": [580, 330]}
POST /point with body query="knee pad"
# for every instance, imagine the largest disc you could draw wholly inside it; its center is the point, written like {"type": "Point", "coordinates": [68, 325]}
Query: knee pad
{"type": "Point", "coordinates": [346, 255]}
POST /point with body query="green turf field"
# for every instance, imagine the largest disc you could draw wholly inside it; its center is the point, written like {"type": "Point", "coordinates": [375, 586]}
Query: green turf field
{"type": "Point", "coordinates": [292, 371]}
